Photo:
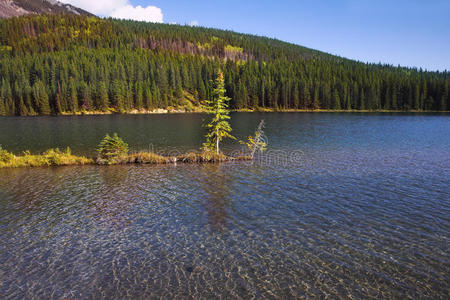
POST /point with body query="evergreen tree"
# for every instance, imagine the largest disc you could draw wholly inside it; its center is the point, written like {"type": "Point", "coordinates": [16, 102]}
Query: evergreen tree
{"type": "Point", "coordinates": [58, 100]}
{"type": "Point", "coordinates": [6, 95]}
{"type": "Point", "coordinates": [262, 94]}
{"type": "Point", "coordinates": [316, 102]}
{"type": "Point", "coordinates": [348, 103]}
{"type": "Point", "coordinates": [417, 97]}
{"type": "Point", "coordinates": [118, 95]}
{"type": "Point", "coordinates": [2, 107]}
{"type": "Point", "coordinates": [41, 98]}
{"type": "Point", "coordinates": [138, 96]}
{"type": "Point", "coordinates": [387, 99]}
{"type": "Point", "coordinates": [111, 149]}
{"type": "Point", "coordinates": [296, 95]}
{"type": "Point", "coordinates": [372, 101]}
{"type": "Point", "coordinates": [336, 100]}
{"type": "Point", "coordinates": [201, 90]}
{"type": "Point", "coordinates": [148, 99]}
{"type": "Point", "coordinates": [102, 102]}
{"type": "Point", "coordinates": [85, 97]}
{"type": "Point", "coordinates": [306, 96]}
{"type": "Point", "coordinates": [444, 97]}
{"type": "Point", "coordinates": [219, 127]}
{"type": "Point", "coordinates": [21, 107]}
{"type": "Point", "coordinates": [394, 104]}
{"type": "Point", "coordinates": [156, 94]}
{"type": "Point", "coordinates": [72, 96]}
{"type": "Point", "coordinates": [362, 97]}
{"type": "Point", "coordinates": [27, 93]}
{"type": "Point", "coordinates": [424, 95]}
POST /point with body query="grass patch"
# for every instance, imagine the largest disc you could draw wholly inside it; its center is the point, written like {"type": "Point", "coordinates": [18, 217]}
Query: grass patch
{"type": "Point", "coordinates": [51, 157]}
{"type": "Point", "coordinates": [147, 158]}
{"type": "Point", "coordinates": [208, 157]}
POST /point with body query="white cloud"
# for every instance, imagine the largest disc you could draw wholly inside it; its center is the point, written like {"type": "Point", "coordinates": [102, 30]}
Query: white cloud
{"type": "Point", "coordinates": [121, 9]}
{"type": "Point", "coordinates": [193, 23]}
{"type": "Point", "coordinates": [98, 7]}
{"type": "Point", "coordinates": [139, 13]}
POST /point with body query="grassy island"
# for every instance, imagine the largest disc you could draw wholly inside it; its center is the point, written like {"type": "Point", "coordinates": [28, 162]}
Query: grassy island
{"type": "Point", "coordinates": [56, 157]}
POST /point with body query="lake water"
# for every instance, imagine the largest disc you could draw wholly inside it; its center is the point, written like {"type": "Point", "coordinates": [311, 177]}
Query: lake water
{"type": "Point", "coordinates": [342, 205]}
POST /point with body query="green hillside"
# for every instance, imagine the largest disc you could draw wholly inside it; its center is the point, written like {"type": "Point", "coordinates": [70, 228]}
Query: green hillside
{"type": "Point", "coordinates": [52, 64]}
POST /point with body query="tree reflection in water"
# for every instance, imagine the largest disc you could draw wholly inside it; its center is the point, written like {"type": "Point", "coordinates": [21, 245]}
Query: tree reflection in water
{"type": "Point", "coordinates": [215, 184]}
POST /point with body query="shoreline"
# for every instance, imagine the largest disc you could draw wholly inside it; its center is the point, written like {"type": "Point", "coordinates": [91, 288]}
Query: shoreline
{"type": "Point", "coordinates": [336, 111]}
{"type": "Point", "coordinates": [202, 111]}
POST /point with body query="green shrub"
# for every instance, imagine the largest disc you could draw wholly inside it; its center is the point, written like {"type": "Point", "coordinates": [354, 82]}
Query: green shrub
{"type": "Point", "coordinates": [111, 149]}
{"type": "Point", "coordinates": [5, 156]}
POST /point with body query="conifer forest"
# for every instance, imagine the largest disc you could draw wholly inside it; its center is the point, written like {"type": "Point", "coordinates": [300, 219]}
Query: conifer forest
{"type": "Point", "coordinates": [55, 64]}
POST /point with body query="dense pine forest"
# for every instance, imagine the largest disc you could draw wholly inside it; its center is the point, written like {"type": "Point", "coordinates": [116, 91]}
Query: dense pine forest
{"type": "Point", "coordinates": [53, 64]}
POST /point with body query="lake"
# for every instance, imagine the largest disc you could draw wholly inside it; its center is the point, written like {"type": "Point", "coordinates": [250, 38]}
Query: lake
{"type": "Point", "coordinates": [342, 205]}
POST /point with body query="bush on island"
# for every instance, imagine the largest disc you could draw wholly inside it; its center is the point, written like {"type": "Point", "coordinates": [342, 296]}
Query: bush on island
{"type": "Point", "coordinates": [111, 150]}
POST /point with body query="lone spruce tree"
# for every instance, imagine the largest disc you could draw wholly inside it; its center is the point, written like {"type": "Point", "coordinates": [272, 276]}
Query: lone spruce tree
{"type": "Point", "coordinates": [219, 127]}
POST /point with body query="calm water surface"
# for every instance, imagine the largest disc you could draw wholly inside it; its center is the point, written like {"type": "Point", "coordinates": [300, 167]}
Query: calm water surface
{"type": "Point", "coordinates": [344, 205]}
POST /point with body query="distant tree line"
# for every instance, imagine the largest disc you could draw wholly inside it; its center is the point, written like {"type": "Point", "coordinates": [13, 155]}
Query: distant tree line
{"type": "Point", "coordinates": [66, 64]}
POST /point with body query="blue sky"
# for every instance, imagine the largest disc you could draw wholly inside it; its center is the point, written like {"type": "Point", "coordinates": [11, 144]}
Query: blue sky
{"type": "Point", "coordinates": [409, 33]}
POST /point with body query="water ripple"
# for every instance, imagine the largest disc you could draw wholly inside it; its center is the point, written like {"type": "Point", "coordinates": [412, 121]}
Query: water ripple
{"type": "Point", "coordinates": [345, 221]}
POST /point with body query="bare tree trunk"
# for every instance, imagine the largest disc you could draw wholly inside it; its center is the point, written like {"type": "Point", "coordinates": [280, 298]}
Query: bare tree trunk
{"type": "Point", "coordinates": [217, 141]}
{"type": "Point", "coordinates": [258, 139]}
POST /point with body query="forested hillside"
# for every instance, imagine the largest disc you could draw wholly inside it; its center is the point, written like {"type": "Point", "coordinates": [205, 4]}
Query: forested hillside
{"type": "Point", "coordinates": [53, 64]}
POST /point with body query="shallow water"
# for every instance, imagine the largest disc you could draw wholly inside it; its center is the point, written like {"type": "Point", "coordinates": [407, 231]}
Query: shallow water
{"type": "Point", "coordinates": [347, 205]}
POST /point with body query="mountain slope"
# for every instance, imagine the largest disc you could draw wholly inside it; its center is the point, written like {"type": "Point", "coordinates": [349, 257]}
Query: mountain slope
{"type": "Point", "coordinates": [14, 8]}
{"type": "Point", "coordinates": [68, 64]}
